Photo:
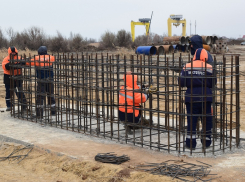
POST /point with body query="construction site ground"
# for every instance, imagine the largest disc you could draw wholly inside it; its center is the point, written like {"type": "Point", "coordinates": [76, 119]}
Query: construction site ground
{"type": "Point", "coordinates": [59, 155]}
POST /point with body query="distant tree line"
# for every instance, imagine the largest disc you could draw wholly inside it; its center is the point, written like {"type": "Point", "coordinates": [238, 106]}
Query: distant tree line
{"type": "Point", "coordinates": [34, 37]}
{"type": "Point", "coordinates": [124, 39]}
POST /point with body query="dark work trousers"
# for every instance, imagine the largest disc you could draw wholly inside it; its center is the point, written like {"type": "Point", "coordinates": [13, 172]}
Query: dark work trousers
{"type": "Point", "coordinates": [45, 88]}
{"type": "Point", "coordinates": [18, 89]}
{"type": "Point", "coordinates": [198, 111]}
{"type": "Point", "coordinates": [130, 118]}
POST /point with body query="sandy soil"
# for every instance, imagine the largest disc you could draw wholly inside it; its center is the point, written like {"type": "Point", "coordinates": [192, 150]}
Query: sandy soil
{"type": "Point", "coordinates": [41, 165]}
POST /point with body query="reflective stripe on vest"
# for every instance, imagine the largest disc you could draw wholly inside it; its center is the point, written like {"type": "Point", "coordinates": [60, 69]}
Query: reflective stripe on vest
{"type": "Point", "coordinates": [189, 136]}
{"type": "Point", "coordinates": [127, 96]}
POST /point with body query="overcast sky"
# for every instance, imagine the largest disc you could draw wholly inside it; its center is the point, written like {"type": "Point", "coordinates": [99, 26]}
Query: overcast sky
{"type": "Point", "coordinates": [92, 18]}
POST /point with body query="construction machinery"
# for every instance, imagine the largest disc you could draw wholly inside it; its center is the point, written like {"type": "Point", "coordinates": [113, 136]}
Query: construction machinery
{"type": "Point", "coordinates": [142, 21]}
{"type": "Point", "coordinates": [176, 20]}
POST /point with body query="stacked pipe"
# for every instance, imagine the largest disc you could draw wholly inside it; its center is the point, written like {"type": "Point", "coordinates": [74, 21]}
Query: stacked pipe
{"type": "Point", "coordinates": [181, 44]}
{"type": "Point", "coordinates": [178, 43]}
{"type": "Point", "coordinates": [174, 43]}
{"type": "Point", "coordinates": [147, 50]}
{"type": "Point", "coordinates": [175, 40]}
{"type": "Point", "coordinates": [220, 46]}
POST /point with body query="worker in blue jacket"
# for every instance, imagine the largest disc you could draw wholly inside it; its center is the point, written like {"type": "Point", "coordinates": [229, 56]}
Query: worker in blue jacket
{"type": "Point", "coordinates": [43, 63]}
{"type": "Point", "coordinates": [198, 77]}
{"type": "Point", "coordinates": [196, 43]}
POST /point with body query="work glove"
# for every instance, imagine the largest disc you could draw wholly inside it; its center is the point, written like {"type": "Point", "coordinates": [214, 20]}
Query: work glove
{"type": "Point", "coordinates": [147, 91]}
{"type": "Point", "coordinates": [21, 62]}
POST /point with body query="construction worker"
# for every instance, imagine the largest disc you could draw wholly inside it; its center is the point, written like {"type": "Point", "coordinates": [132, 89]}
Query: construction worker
{"type": "Point", "coordinates": [129, 101]}
{"type": "Point", "coordinates": [13, 71]}
{"type": "Point", "coordinates": [198, 77]}
{"type": "Point", "coordinates": [43, 63]}
{"type": "Point", "coordinates": [196, 43]}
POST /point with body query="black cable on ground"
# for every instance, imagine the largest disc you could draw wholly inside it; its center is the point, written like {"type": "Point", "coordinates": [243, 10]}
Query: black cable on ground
{"type": "Point", "coordinates": [18, 157]}
{"type": "Point", "coordinates": [111, 158]}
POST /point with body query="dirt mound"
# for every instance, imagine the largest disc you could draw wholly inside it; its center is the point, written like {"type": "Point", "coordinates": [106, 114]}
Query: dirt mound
{"type": "Point", "coordinates": [41, 165]}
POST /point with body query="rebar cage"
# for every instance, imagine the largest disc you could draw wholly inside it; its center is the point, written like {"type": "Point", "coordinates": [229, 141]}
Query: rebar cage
{"type": "Point", "coordinates": [86, 92]}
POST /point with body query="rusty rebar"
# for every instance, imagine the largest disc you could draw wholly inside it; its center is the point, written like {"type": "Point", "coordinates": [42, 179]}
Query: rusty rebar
{"type": "Point", "coordinates": [86, 91]}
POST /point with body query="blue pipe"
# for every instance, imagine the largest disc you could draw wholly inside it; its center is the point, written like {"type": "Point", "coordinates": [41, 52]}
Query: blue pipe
{"type": "Point", "coordinates": [147, 50]}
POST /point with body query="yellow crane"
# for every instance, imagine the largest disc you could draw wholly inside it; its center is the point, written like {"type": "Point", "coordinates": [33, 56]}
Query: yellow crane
{"type": "Point", "coordinates": [176, 20]}
{"type": "Point", "coordinates": [142, 21]}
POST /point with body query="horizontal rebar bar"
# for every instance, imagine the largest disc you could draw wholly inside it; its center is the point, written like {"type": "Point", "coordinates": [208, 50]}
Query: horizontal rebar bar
{"type": "Point", "coordinates": [86, 91]}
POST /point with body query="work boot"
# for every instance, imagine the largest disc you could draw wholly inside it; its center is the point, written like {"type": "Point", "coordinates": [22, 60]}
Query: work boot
{"type": "Point", "coordinates": [53, 111]}
{"type": "Point", "coordinates": [188, 147]}
{"type": "Point", "coordinates": [146, 122]}
{"type": "Point", "coordinates": [128, 130]}
{"type": "Point", "coordinates": [39, 113]}
{"type": "Point", "coordinates": [207, 138]}
{"type": "Point", "coordinates": [188, 143]}
{"type": "Point", "coordinates": [24, 111]}
{"type": "Point", "coordinates": [8, 109]}
{"type": "Point", "coordinates": [207, 142]}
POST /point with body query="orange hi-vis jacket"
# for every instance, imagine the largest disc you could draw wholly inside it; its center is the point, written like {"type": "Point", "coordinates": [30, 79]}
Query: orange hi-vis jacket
{"type": "Point", "coordinates": [44, 65]}
{"type": "Point", "coordinates": [42, 61]}
{"type": "Point", "coordinates": [131, 96]}
{"type": "Point", "coordinates": [6, 61]}
{"type": "Point", "coordinates": [199, 78]}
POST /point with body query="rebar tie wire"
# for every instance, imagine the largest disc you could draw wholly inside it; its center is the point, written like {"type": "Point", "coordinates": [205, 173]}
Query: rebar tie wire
{"type": "Point", "coordinates": [111, 158]}
{"type": "Point", "coordinates": [17, 157]}
{"type": "Point", "coordinates": [180, 171]}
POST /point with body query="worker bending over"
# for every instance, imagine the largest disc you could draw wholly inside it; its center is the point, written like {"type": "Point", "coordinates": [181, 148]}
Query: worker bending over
{"type": "Point", "coordinates": [130, 98]}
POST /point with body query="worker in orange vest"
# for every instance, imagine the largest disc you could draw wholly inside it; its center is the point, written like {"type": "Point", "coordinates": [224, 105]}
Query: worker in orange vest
{"type": "Point", "coordinates": [43, 63]}
{"type": "Point", "coordinates": [130, 98]}
{"type": "Point", "coordinates": [13, 71]}
{"type": "Point", "coordinates": [199, 78]}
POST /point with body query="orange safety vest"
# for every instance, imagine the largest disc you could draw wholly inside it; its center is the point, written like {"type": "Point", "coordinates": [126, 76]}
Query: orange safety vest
{"type": "Point", "coordinates": [42, 61]}
{"type": "Point", "coordinates": [6, 61]}
{"type": "Point", "coordinates": [129, 98]}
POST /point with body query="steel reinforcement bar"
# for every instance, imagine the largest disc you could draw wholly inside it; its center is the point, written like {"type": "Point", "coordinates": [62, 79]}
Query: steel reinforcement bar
{"type": "Point", "coordinates": [86, 92]}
